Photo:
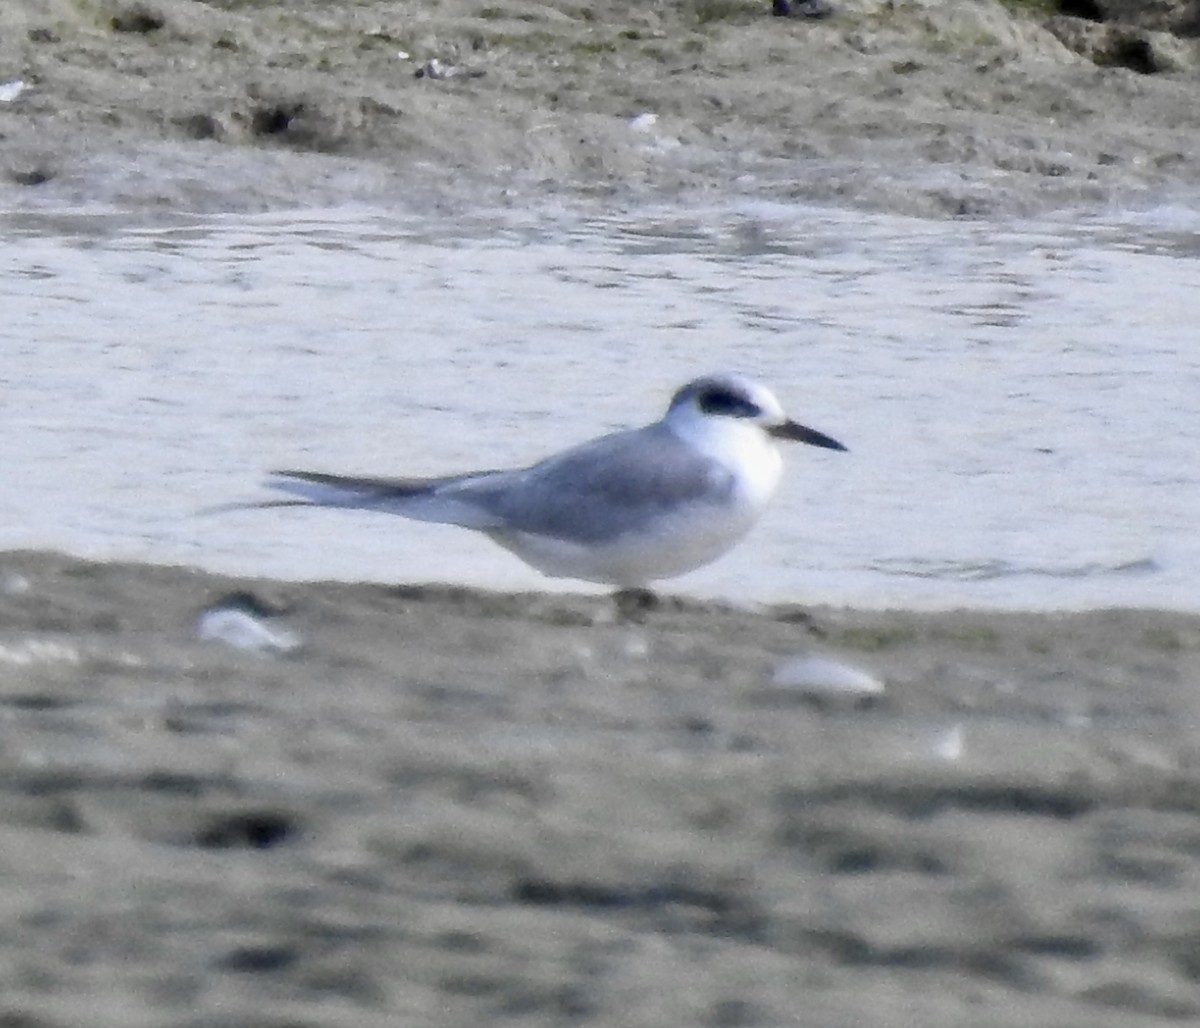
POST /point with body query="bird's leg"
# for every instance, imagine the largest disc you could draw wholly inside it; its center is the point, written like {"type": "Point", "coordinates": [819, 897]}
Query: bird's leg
{"type": "Point", "coordinates": [634, 604]}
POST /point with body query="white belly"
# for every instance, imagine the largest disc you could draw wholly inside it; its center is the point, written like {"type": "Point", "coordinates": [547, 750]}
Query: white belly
{"type": "Point", "coordinates": [678, 542]}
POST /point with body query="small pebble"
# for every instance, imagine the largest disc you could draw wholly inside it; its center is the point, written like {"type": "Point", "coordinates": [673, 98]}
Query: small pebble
{"type": "Point", "coordinates": [815, 9]}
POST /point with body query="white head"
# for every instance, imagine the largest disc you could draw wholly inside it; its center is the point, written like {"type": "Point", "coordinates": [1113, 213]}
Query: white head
{"type": "Point", "coordinates": [720, 402]}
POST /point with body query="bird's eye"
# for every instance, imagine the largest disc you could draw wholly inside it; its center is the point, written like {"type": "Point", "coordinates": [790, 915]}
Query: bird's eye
{"type": "Point", "coordinates": [728, 403]}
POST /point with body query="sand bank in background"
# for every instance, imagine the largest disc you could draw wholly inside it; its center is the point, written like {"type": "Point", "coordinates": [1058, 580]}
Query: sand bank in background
{"type": "Point", "coordinates": [926, 107]}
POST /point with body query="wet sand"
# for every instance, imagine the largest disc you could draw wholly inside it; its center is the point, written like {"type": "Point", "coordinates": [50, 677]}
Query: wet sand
{"type": "Point", "coordinates": [452, 808]}
{"type": "Point", "coordinates": [455, 808]}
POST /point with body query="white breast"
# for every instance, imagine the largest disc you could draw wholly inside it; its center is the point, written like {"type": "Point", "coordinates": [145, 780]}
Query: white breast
{"type": "Point", "coordinates": [679, 541]}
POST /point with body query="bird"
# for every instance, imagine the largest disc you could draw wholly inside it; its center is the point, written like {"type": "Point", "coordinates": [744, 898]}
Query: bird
{"type": "Point", "coordinates": [625, 509]}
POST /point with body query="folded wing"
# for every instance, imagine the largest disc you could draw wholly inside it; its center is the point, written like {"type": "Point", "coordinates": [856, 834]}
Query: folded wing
{"type": "Point", "coordinates": [591, 493]}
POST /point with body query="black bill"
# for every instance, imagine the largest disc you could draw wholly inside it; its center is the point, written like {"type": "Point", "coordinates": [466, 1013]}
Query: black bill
{"type": "Point", "coordinates": [800, 434]}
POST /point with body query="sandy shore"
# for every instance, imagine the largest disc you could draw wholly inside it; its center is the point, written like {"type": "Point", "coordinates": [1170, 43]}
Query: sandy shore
{"type": "Point", "coordinates": [931, 107]}
{"type": "Point", "coordinates": [449, 808]}
{"type": "Point", "coordinates": [452, 808]}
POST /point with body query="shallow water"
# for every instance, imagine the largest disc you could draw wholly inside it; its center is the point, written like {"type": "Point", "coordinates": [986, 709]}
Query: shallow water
{"type": "Point", "coordinates": [1020, 400]}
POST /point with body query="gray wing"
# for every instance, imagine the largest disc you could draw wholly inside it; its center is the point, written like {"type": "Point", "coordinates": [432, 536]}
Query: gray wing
{"type": "Point", "coordinates": [598, 490]}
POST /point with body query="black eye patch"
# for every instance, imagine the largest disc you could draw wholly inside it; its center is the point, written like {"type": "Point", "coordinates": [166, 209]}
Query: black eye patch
{"type": "Point", "coordinates": [728, 404]}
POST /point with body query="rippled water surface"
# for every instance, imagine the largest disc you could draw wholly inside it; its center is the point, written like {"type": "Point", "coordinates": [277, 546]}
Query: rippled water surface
{"type": "Point", "coordinates": [1021, 402]}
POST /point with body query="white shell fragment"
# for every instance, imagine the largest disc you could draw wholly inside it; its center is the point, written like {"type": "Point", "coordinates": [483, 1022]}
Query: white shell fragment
{"type": "Point", "coordinates": [25, 652]}
{"type": "Point", "coordinates": [821, 677]}
{"type": "Point", "coordinates": [238, 627]}
{"type": "Point", "coordinates": [949, 744]}
{"type": "Point", "coordinates": [9, 91]}
{"type": "Point", "coordinates": [13, 584]}
{"type": "Point", "coordinates": [643, 122]}
{"type": "Point", "coordinates": [436, 70]}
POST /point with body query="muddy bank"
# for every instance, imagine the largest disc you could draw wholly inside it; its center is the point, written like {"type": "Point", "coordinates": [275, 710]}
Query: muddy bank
{"type": "Point", "coordinates": [453, 808]}
{"type": "Point", "coordinates": [934, 107]}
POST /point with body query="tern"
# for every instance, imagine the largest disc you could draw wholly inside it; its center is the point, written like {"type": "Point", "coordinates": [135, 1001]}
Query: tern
{"type": "Point", "coordinates": [625, 509]}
